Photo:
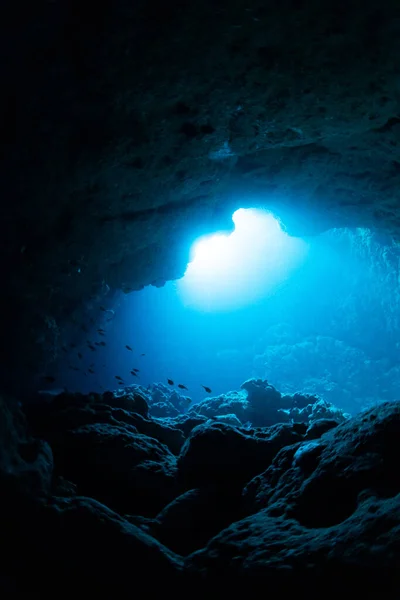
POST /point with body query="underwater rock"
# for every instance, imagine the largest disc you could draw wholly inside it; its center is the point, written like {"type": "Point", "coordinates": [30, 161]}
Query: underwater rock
{"type": "Point", "coordinates": [324, 510]}
{"type": "Point", "coordinates": [317, 411]}
{"type": "Point", "coordinates": [186, 422]}
{"type": "Point", "coordinates": [78, 539]}
{"type": "Point", "coordinates": [145, 523]}
{"type": "Point", "coordinates": [127, 471]}
{"type": "Point", "coordinates": [63, 487]}
{"type": "Point", "coordinates": [219, 454]}
{"type": "Point", "coordinates": [134, 402]}
{"type": "Point", "coordinates": [166, 402]}
{"type": "Point", "coordinates": [260, 393]}
{"type": "Point", "coordinates": [325, 410]}
{"type": "Point", "coordinates": [163, 410]}
{"type": "Point", "coordinates": [261, 549]}
{"type": "Point", "coordinates": [48, 421]}
{"type": "Point", "coordinates": [299, 400]}
{"type": "Point", "coordinates": [261, 405]}
{"type": "Point", "coordinates": [84, 546]}
{"type": "Point", "coordinates": [229, 419]}
{"type": "Point", "coordinates": [172, 437]}
{"type": "Point", "coordinates": [318, 482]}
{"type": "Point", "coordinates": [193, 518]}
{"type": "Point", "coordinates": [267, 406]}
{"type": "Point", "coordinates": [234, 402]}
{"type": "Point", "coordinates": [286, 505]}
{"type": "Point", "coordinates": [319, 427]}
{"type": "Point", "coordinates": [26, 463]}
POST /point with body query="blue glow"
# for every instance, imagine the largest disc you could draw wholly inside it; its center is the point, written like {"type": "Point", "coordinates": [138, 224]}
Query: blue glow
{"type": "Point", "coordinates": [322, 318]}
{"type": "Point", "coordinates": [230, 271]}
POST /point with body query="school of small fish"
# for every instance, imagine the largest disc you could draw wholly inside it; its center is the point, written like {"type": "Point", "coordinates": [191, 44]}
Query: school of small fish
{"type": "Point", "coordinates": [92, 346]}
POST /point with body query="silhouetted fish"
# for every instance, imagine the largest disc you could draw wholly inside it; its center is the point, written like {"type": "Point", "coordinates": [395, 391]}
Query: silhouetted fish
{"type": "Point", "coordinates": [208, 390]}
{"type": "Point", "coordinates": [128, 348]}
{"type": "Point", "coordinates": [182, 387]}
{"type": "Point", "coordinates": [170, 382]}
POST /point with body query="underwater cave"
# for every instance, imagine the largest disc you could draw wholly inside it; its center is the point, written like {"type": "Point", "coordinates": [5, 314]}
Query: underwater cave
{"type": "Point", "coordinates": [200, 330]}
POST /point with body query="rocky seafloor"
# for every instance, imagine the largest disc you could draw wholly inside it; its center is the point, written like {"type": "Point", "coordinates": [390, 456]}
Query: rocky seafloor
{"type": "Point", "coordinates": [132, 491]}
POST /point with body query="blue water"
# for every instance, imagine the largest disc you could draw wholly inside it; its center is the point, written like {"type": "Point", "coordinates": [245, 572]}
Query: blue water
{"type": "Point", "coordinates": [316, 315]}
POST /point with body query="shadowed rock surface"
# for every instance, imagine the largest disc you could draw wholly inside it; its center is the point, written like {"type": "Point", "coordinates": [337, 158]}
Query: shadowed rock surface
{"type": "Point", "coordinates": [265, 506]}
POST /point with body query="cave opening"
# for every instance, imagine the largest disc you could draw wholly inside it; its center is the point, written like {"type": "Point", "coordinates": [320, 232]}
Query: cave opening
{"type": "Point", "coordinates": [315, 314]}
{"type": "Point", "coordinates": [227, 272]}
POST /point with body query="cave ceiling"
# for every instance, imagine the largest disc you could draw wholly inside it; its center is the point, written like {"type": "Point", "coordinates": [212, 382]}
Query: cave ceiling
{"type": "Point", "coordinates": [129, 128]}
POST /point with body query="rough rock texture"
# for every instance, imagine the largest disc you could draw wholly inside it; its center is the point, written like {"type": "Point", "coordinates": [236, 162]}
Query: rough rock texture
{"type": "Point", "coordinates": [78, 543]}
{"type": "Point", "coordinates": [50, 538]}
{"type": "Point", "coordinates": [319, 482]}
{"type": "Point", "coordinates": [26, 464]}
{"type": "Point", "coordinates": [262, 550]}
{"type": "Point", "coordinates": [127, 471]}
{"type": "Point", "coordinates": [130, 128]}
{"type": "Point", "coordinates": [192, 519]}
{"type": "Point", "coordinates": [115, 455]}
{"type": "Point", "coordinates": [262, 405]}
{"type": "Point", "coordinates": [219, 454]}
{"type": "Point", "coordinates": [326, 511]}
{"type": "Point", "coordinates": [51, 421]}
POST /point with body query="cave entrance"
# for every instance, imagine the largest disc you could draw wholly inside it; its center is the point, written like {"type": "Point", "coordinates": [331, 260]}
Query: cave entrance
{"type": "Point", "coordinates": [231, 271]}
{"type": "Point", "coordinates": [317, 316]}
